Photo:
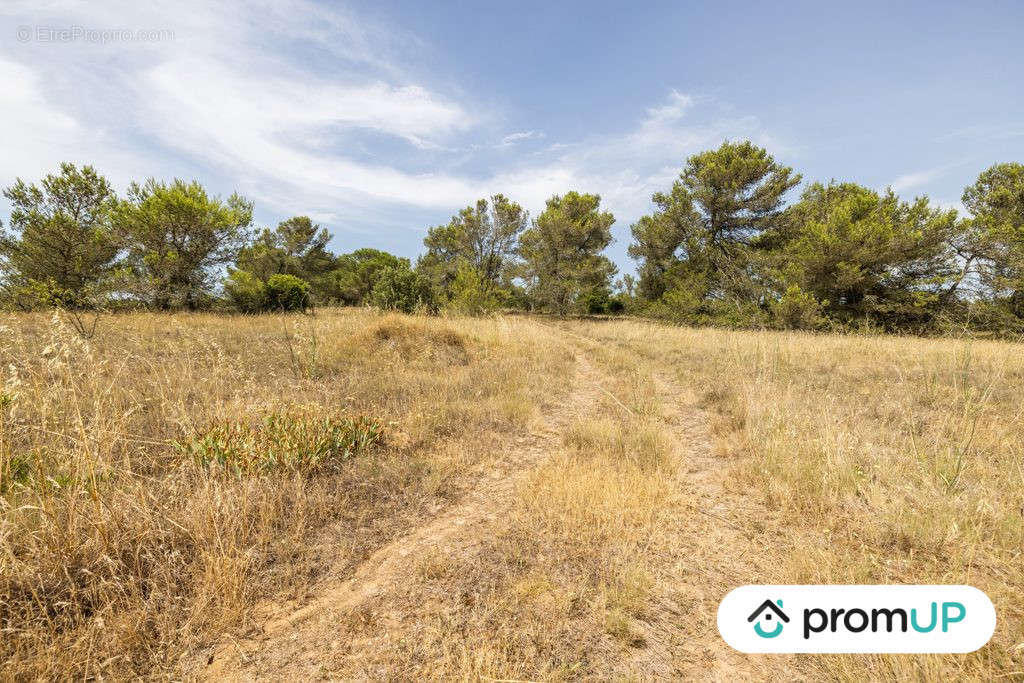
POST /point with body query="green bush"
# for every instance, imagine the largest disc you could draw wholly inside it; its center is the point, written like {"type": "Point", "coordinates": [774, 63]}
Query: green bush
{"type": "Point", "coordinates": [402, 289]}
{"type": "Point", "coordinates": [286, 293]}
{"type": "Point", "coordinates": [245, 291]}
{"type": "Point", "coordinates": [595, 300]}
{"type": "Point", "coordinates": [469, 293]}
{"type": "Point", "coordinates": [283, 443]}
{"type": "Point", "coordinates": [797, 310]}
{"type": "Point", "coordinates": [34, 295]}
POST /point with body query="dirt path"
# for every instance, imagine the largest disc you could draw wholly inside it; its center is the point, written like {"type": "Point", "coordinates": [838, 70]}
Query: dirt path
{"type": "Point", "coordinates": [292, 639]}
{"type": "Point", "coordinates": [710, 548]}
{"type": "Point", "coordinates": [715, 550]}
{"type": "Point", "coordinates": [716, 536]}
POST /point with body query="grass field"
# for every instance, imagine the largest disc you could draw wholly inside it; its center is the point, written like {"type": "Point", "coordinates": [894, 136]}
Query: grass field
{"type": "Point", "coordinates": [354, 495]}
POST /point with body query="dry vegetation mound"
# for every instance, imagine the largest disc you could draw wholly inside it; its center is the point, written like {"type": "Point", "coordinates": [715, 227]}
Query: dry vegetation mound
{"type": "Point", "coordinates": [414, 341]}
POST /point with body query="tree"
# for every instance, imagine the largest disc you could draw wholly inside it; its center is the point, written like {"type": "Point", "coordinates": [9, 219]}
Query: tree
{"type": "Point", "coordinates": [286, 293]}
{"type": "Point", "coordinates": [177, 237]}
{"type": "Point", "coordinates": [355, 274]}
{"type": "Point", "coordinates": [705, 233]}
{"type": "Point", "coordinates": [484, 237]}
{"type": "Point", "coordinates": [296, 247]}
{"type": "Point", "coordinates": [402, 289]}
{"type": "Point", "coordinates": [63, 249]}
{"type": "Point", "coordinates": [469, 293]}
{"type": "Point", "coordinates": [657, 239]}
{"type": "Point", "coordinates": [246, 292]}
{"type": "Point", "coordinates": [859, 254]}
{"type": "Point", "coordinates": [996, 203]}
{"type": "Point", "coordinates": [561, 252]}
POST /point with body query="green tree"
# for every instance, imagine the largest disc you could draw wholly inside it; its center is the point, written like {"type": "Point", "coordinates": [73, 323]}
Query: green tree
{"type": "Point", "coordinates": [483, 236]}
{"type": "Point", "coordinates": [402, 289]}
{"type": "Point", "coordinates": [657, 239]}
{"type": "Point", "coordinates": [996, 204]}
{"type": "Point", "coordinates": [705, 233]}
{"type": "Point", "coordinates": [296, 247]}
{"type": "Point", "coordinates": [245, 291]}
{"type": "Point", "coordinates": [286, 293]}
{"type": "Point", "coordinates": [355, 274]}
{"type": "Point", "coordinates": [178, 237]}
{"type": "Point", "coordinates": [860, 254]}
{"type": "Point", "coordinates": [62, 249]}
{"type": "Point", "coordinates": [469, 293]}
{"type": "Point", "coordinates": [562, 251]}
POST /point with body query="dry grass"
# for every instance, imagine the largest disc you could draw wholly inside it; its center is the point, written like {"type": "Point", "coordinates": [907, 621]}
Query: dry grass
{"type": "Point", "coordinates": [557, 585]}
{"type": "Point", "coordinates": [876, 459]}
{"type": "Point", "coordinates": [120, 553]}
{"type": "Point", "coordinates": [677, 463]}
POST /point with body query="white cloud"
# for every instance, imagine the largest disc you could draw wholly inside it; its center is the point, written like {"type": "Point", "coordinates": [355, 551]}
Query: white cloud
{"type": "Point", "coordinates": [272, 99]}
{"type": "Point", "coordinates": [917, 179]}
{"type": "Point", "coordinates": [513, 138]}
{"type": "Point", "coordinates": [276, 107]}
{"type": "Point", "coordinates": [35, 128]}
{"type": "Point", "coordinates": [627, 167]}
{"type": "Point", "coordinates": [909, 181]}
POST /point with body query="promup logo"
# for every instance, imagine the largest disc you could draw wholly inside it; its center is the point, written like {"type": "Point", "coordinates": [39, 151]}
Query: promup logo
{"type": "Point", "coordinates": [765, 614]}
{"type": "Point", "coordinates": [894, 619]}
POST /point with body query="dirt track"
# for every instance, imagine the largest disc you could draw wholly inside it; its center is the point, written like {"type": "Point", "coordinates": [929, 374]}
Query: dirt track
{"type": "Point", "coordinates": [704, 558]}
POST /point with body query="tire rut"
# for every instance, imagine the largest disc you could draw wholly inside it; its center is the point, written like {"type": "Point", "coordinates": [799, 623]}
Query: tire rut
{"type": "Point", "coordinates": [290, 639]}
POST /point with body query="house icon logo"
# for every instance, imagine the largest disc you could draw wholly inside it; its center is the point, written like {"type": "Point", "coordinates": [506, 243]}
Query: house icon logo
{"type": "Point", "coordinates": [764, 616]}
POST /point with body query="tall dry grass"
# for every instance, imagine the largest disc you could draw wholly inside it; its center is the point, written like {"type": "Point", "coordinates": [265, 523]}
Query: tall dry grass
{"type": "Point", "coordinates": [854, 460]}
{"type": "Point", "coordinates": [876, 459]}
{"type": "Point", "coordinates": [121, 555]}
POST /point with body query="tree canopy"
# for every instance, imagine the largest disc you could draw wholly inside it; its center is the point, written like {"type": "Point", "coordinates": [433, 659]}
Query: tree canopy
{"type": "Point", "coordinates": [483, 237]}
{"type": "Point", "coordinates": [703, 237]}
{"type": "Point", "coordinates": [996, 204]}
{"type": "Point", "coordinates": [864, 255]}
{"type": "Point", "coordinates": [176, 236]}
{"type": "Point", "coordinates": [62, 246]}
{"type": "Point", "coordinates": [561, 252]}
{"type": "Point", "coordinates": [725, 244]}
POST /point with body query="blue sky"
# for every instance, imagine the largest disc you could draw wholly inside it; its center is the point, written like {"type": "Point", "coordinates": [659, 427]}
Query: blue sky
{"type": "Point", "coordinates": [383, 118]}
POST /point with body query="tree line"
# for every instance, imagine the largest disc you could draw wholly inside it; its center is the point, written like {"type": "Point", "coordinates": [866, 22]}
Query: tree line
{"type": "Point", "coordinates": [727, 244]}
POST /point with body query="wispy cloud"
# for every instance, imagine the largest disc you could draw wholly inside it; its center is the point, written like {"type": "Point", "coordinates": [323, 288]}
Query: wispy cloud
{"type": "Point", "coordinates": [513, 138]}
{"type": "Point", "coordinates": [309, 109]}
{"type": "Point", "coordinates": [909, 181]}
{"type": "Point", "coordinates": [916, 179]}
{"type": "Point", "coordinates": [986, 132]}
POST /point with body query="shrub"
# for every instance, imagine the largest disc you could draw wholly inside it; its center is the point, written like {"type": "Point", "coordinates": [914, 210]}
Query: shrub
{"type": "Point", "coordinates": [283, 442]}
{"type": "Point", "coordinates": [34, 295]}
{"type": "Point", "coordinates": [595, 300]}
{"type": "Point", "coordinates": [286, 293]}
{"type": "Point", "coordinates": [469, 293]}
{"type": "Point", "coordinates": [245, 291]}
{"type": "Point", "coordinates": [797, 310]}
{"type": "Point", "coordinates": [402, 289]}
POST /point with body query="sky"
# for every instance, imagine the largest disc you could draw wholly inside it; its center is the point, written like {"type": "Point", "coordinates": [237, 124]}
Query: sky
{"type": "Point", "coordinates": [380, 119]}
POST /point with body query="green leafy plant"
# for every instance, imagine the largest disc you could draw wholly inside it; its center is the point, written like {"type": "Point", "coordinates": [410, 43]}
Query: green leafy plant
{"type": "Point", "coordinates": [402, 289]}
{"type": "Point", "coordinates": [286, 293]}
{"type": "Point", "coordinates": [245, 291]}
{"type": "Point", "coordinates": [470, 294]}
{"type": "Point", "coordinates": [283, 442]}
